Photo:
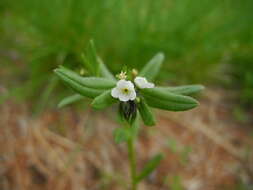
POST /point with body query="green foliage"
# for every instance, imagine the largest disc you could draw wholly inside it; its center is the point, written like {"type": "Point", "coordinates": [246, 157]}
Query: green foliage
{"type": "Point", "coordinates": [104, 100]}
{"type": "Point", "coordinates": [146, 114]}
{"type": "Point", "coordinates": [77, 86]}
{"type": "Point", "coordinates": [123, 134]}
{"type": "Point", "coordinates": [195, 35]}
{"type": "Point", "coordinates": [149, 167]}
{"type": "Point", "coordinates": [69, 100]}
{"type": "Point", "coordinates": [242, 75]}
{"type": "Point", "coordinates": [100, 90]}
{"type": "Point", "coordinates": [151, 69]}
{"type": "Point", "coordinates": [184, 90]}
{"type": "Point", "coordinates": [96, 66]}
{"type": "Point", "coordinates": [90, 59]}
{"type": "Point", "coordinates": [159, 98]}
{"type": "Point", "coordinates": [90, 82]}
{"type": "Point", "coordinates": [87, 86]}
{"type": "Point", "coordinates": [135, 127]}
{"type": "Point", "coordinates": [104, 70]}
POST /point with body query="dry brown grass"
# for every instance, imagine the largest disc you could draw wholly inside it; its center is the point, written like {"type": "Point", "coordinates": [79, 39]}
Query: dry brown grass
{"type": "Point", "coordinates": [70, 150]}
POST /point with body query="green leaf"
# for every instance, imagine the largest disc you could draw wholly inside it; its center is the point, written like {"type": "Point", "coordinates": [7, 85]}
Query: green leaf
{"type": "Point", "coordinates": [184, 90]}
{"type": "Point", "coordinates": [77, 87]}
{"type": "Point", "coordinates": [69, 100]}
{"type": "Point", "coordinates": [146, 114]}
{"type": "Point", "coordinates": [160, 98]}
{"type": "Point", "coordinates": [121, 135]}
{"type": "Point", "coordinates": [104, 100]}
{"type": "Point", "coordinates": [151, 69]}
{"type": "Point", "coordinates": [90, 59]}
{"type": "Point", "coordinates": [104, 71]}
{"type": "Point", "coordinates": [90, 82]}
{"type": "Point", "coordinates": [149, 168]}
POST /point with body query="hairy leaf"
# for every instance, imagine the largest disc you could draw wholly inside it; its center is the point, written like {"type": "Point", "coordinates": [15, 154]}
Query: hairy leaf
{"type": "Point", "coordinates": [184, 90]}
{"type": "Point", "coordinates": [104, 100]}
{"type": "Point", "coordinates": [104, 72]}
{"type": "Point", "coordinates": [69, 100]}
{"type": "Point", "coordinates": [77, 87]}
{"type": "Point", "coordinates": [160, 98]}
{"type": "Point", "coordinates": [146, 114]}
{"type": "Point", "coordinates": [90, 59]}
{"type": "Point", "coordinates": [149, 168]}
{"type": "Point", "coordinates": [90, 82]}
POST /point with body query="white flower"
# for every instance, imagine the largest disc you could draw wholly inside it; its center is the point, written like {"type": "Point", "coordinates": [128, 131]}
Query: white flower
{"type": "Point", "coordinates": [124, 91]}
{"type": "Point", "coordinates": [142, 82]}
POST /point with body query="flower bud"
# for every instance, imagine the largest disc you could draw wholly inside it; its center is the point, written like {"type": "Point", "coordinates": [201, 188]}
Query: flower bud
{"type": "Point", "coordinates": [122, 75]}
{"type": "Point", "coordinates": [128, 111]}
{"type": "Point", "coordinates": [134, 73]}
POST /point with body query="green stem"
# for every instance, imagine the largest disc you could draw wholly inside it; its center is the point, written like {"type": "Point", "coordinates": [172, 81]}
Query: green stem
{"type": "Point", "coordinates": [132, 162]}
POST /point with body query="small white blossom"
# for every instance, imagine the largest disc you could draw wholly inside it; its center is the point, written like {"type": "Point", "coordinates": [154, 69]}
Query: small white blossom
{"type": "Point", "coordinates": [124, 91]}
{"type": "Point", "coordinates": [142, 82]}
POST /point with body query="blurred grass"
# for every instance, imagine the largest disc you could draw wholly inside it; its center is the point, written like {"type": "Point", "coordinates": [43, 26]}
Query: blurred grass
{"type": "Point", "coordinates": [204, 41]}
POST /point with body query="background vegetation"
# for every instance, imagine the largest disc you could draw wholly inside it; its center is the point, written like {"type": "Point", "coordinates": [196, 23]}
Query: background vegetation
{"type": "Point", "coordinates": [205, 41]}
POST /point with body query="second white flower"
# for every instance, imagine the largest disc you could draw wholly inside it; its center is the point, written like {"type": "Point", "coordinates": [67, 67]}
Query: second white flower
{"type": "Point", "coordinates": [142, 82]}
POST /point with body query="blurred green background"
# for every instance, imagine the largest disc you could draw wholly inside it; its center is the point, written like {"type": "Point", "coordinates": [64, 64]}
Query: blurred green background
{"type": "Point", "coordinates": [205, 41]}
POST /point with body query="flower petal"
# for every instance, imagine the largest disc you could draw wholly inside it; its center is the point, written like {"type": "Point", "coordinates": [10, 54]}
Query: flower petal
{"type": "Point", "coordinates": [132, 95]}
{"type": "Point", "coordinates": [130, 85]}
{"type": "Point", "coordinates": [115, 92]}
{"type": "Point", "coordinates": [122, 83]}
{"type": "Point", "coordinates": [124, 98]}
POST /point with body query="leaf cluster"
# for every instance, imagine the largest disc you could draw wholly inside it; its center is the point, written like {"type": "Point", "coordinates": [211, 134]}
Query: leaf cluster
{"type": "Point", "coordinates": [99, 87]}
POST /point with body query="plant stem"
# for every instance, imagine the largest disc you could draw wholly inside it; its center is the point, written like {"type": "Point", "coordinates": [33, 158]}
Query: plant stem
{"type": "Point", "coordinates": [132, 162]}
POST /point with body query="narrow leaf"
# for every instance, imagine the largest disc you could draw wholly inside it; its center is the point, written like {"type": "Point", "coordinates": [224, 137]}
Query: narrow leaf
{"type": "Point", "coordinates": [90, 82]}
{"type": "Point", "coordinates": [104, 100]}
{"type": "Point", "coordinates": [149, 168]}
{"type": "Point", "coordinates": [146, 114]}
{"type": "Point", "coordinates": [184, 90]}
{"type": "Point", "coordinates": [151, 69]}
{"type": "Point", "coordinates": [160, 98]}
{"type": "Point", "coordinates": [90, 59]}
{"type": "Point", "coordinates": [104, 71]}
{"type": "Point", "coordinates": [69, 100]}
{"type": "Point", "coordinates": [87, 64]}
{"type": "Point", "coordinates": [92, 54]}
{"type": "Point", "coordinates": [77, 87]}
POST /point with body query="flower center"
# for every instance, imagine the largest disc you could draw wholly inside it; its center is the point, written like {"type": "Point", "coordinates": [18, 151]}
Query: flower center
{"type": "Point", "coordinates": [125, 90]}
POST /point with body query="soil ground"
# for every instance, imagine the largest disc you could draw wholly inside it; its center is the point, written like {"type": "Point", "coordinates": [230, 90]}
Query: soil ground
{"type": "Point", "coordinates": [68, 149]}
